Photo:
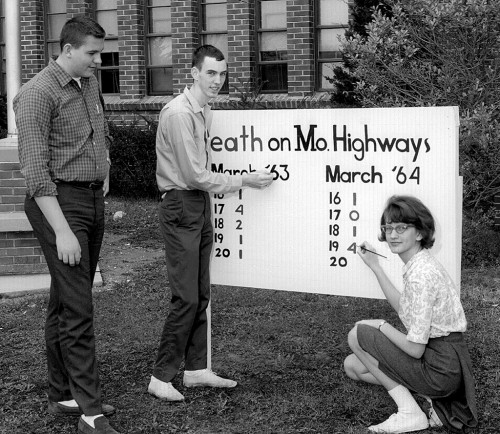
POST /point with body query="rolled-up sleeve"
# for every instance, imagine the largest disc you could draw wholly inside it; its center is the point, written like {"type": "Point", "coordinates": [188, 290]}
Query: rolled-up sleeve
{"type": "Point", "coordinates": [190, 156]}
{"type": "Point", "coordinates": [33, 111]}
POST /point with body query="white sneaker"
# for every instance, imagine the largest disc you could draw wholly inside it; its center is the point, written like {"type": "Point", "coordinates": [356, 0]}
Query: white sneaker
{"type": "Point", "coordinates": [163, 390]}
{"type": "Point", "coordinates": [401, 423]}
{"type": "Point", "coordinates": [206, 378]}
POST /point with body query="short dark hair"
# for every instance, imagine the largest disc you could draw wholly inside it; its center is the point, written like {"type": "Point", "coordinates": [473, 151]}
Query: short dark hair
{"type": "Point", "coordinates": [409, 209]}
{"type": "Point", "coordinates": [77, 29]}
{"type": "Point", "coordinates": [206, 51]}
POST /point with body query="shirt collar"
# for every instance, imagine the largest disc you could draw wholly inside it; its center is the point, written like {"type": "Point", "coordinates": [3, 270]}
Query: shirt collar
{"type": "Point", "coordinates": [60, 74]}
{"type": "Point", "coordinates": [194, 103]}
{"type": "Point", "coordinates": [413, 259]}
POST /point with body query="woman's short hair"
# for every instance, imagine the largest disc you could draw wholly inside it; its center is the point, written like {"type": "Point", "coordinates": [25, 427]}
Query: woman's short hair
{"type": "Point", "coordinates": [410, 210]}
{"type": "Point", "coordinates": [77, 29]}
{"type": "Point", "coordinates": [206, 51]}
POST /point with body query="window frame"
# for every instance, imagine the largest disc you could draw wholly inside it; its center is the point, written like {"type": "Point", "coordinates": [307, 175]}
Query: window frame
{"type": "Point", "coordinates": [258, 62]}
{"type": "Point", "coordinates": [46, 24]}
{"type": "Point", "coordinates": [204, 33]}
{"type": "Point", "coordinates": [107, 38]}
{"type": "Point", "coordinates": [148, 36]}
{"type": "Point", "coordinates": [334, 61]}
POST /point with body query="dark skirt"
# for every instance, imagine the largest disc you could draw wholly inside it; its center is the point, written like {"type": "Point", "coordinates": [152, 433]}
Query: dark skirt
{"type": "Point", "coordinates": [443, 373]}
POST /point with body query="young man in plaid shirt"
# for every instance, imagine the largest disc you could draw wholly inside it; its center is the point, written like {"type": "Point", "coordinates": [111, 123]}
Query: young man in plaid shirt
{"type": "Point", "coordinates": [64, 158]}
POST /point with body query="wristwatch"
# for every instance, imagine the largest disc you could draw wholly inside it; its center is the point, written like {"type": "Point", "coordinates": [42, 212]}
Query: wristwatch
{"type": "Point", "coordinates": [381, 324]}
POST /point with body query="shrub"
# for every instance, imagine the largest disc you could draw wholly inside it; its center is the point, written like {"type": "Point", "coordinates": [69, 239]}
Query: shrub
{"type": "Point", "coordinates": [480, 244]}
{"type": "Point", "coordinates": [427, 53]}
{"type": "Point", "coordinates": [133, 156]}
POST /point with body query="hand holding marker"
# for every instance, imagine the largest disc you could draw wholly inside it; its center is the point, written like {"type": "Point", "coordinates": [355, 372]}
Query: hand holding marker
{"type": "Point", "coordinates": [364, 249]}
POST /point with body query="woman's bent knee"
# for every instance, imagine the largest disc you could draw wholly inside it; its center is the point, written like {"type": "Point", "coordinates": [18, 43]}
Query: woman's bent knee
{"type": "Point", "coordinates": [352, 338]}
{"type": "Point", "coordinates": [350, 366]}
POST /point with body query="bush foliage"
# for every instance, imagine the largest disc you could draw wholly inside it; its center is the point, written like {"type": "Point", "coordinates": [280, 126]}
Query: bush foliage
{"type": "Point", "coordinates": [133, 156]}
{"type": "Point", "coordinates": [427, 53]}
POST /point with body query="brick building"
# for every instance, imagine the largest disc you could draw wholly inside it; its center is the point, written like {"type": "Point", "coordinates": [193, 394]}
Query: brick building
{"type": "Point", "coordinates": [287, 45]}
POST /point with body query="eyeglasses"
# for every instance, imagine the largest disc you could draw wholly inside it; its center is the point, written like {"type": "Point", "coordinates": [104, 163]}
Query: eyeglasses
{"type": "Point", "coordinates": [387, 229]}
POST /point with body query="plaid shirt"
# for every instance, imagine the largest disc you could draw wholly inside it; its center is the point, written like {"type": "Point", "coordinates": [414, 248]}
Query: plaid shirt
{"type": "Point", "coordinates": [62, 130]}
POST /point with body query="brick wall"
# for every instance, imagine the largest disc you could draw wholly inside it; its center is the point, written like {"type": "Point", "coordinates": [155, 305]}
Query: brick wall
{"type": "Point", "coordinates": [12, 188]}
{"type": "Point", "coordinates": [130, 15]}
{"type": "Point", "coordinates": [300, 41]}
{"type": "Point", "coordinates": [20, 253]}
{"type": "Point", "coordinates": [241, 43]}
{"type": "Point", "coordinates": [78, 7]}
{"type": "Point", "coordinates": [241, 28]}
{"type": "Point", "coordinates": [184, 38]}
{"type": "Point", "coordinates": [32, 38]}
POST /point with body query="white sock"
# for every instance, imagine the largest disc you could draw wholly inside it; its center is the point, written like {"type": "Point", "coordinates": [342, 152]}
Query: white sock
{"type": "Point", "coordinates": [90, 419]}
{"type": "Point", "coordinates": [404, 400]}
{"type": "Point", "coordinates": [196, 372]}
{"type": "Point", "coordinates": [70, 403]}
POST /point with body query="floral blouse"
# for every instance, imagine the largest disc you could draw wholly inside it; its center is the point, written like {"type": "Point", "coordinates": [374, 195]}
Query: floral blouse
{"type": "Point", "coordinates": [430, 305]}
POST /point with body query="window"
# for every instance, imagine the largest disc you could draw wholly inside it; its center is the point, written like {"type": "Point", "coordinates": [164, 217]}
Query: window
{"type": "Point", "coordinates": [272, 45]}
{"type": "Point", "coordinates": [3, 88]}
{"type": "Point", "coordinates": [108, 72]}
{"type": "Point", "coordinates": [55, 17]}
{"type": "Point", "coordinates": [332, 18]}
{"type": "Point", "coordinates": [159, 47]}
{"type": "Point", "coordinates": [214, 28]}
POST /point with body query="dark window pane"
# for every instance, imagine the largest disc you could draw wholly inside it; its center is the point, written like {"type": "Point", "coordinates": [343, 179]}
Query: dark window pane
{"type": "Point", "coordinates": [275, 77]}
{"type": "Point", "coordinates": [269, 56]}
{"type": "Point", "coordinates": [110, 80]}
{"type": "Point", "coordinates": [109, 59]}
{"type": "Point", "coordinates": [160, 80]}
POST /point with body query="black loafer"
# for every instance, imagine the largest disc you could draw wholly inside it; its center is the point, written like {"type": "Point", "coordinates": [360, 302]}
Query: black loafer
{"type": "Point", "coordinates": [64, 410]}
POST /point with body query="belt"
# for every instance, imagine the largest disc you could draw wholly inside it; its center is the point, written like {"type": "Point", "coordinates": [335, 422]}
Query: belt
{"type": "Point", "coordinates": [187, 193]}
{"type": "Point", "coordinates": [90, 185]}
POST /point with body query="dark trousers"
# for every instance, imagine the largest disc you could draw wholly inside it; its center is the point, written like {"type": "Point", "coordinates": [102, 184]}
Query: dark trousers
{"type": "Point", "coordinates": [186, 227]}
{"type": "Point", "coordinates": [69, 329]}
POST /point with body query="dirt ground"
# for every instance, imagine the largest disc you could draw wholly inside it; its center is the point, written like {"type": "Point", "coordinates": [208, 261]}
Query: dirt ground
{"type": "Point", "coordinates": [119, 258]}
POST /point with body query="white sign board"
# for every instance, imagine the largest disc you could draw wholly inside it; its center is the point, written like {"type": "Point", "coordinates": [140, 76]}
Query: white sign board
{"type": "Point", "coordinates": [334, 171]}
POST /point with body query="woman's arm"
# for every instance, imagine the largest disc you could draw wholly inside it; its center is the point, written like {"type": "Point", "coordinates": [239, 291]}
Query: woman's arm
{"type": "Point", "coordinates": [413, 349]}
{"type": "Point", "coordinates": [391, 293]}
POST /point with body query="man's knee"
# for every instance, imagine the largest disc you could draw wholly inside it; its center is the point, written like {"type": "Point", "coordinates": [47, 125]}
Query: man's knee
{"type": "Point", "coordinates": [186, 304]}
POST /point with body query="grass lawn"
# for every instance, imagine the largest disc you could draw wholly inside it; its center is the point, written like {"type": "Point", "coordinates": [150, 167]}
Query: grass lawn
{"type": "Point", "coordinates": [285, 349]}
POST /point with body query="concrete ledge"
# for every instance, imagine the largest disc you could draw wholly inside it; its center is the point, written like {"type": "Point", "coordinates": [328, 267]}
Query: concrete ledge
{"type": "Point", "coordinates": [19, 285]}
{"type": "Point", "coordinates": [8, 150]}
{"type": "Point", "coordinates": [14, 222]}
